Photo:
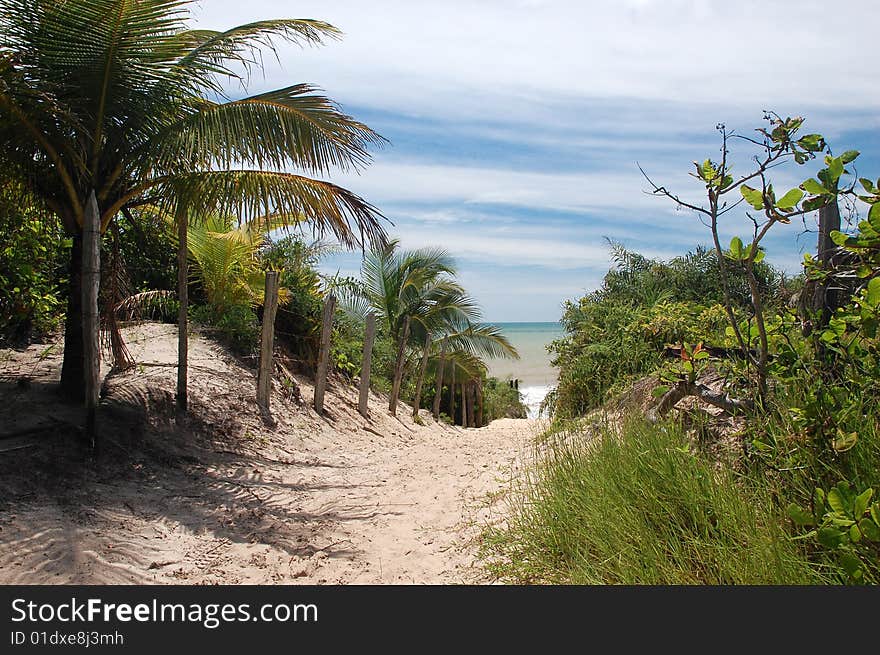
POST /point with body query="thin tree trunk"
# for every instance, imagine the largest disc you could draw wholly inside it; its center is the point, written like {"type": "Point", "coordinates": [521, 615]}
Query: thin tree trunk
{"type": "Point", "coordinates": [452, 395]}
{"type": "Point", "coordinates": [366, 364]}
{"type": "Point", "coordinates": [440, 366]}
{"type": "Point", "coordinates": [72, 369]}
{"type": "Point", "coordinates": [417, 403]}
{"type": "Point", "coordinates": [463, 406]}
{"type": "Point", "coordinates": [480, 403]}
{"type": "Point", "coordinates": [91, 326]}
{"type": "Point", "coordinates": [182, 315]}
{"type": "Point", "coordinates": [324, 354]}
{"type": "Point", "coordinates": [398, 369]}
{"type": "Point", "coordinates": [267, 341]}
{"type": "Point", "coordinates": [472, 395]}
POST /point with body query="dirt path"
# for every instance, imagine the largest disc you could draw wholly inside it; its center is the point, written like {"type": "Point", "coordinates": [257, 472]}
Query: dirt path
{"type": "Point", "coordinates": [309, 500]}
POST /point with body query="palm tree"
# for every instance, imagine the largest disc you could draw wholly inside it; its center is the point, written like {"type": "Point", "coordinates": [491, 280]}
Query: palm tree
{"type": "Point", "coordinates": [415, 294]}
{"type": "Point", "coordinates": [119, 97]}
{"type": "Point", "coordinates": [228, 262]}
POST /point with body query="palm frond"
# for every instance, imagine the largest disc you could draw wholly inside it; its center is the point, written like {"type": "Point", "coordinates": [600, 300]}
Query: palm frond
{"type": "Point", "coordinates": [250, 194]}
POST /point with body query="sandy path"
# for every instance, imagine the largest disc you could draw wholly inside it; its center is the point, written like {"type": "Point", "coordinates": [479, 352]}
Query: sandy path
{"type": "Point", "coordinates": [310, 500]}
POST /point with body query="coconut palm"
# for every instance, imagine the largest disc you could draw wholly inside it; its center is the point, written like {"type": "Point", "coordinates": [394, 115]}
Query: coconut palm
{"type": "Point", "coordinates": [415, 294]}
{"type": "Point", "coordinates": [121, 98]}
{"type": "Point", "coordinates": [227, 259]}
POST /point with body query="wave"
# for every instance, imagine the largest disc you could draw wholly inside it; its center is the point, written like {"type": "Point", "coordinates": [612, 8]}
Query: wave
{"type": "Point", "coordinates": [533, 396]}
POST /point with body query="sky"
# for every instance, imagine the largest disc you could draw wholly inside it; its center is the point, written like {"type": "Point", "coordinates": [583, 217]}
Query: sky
{"type": "Point", "coordinates": [517, 127]}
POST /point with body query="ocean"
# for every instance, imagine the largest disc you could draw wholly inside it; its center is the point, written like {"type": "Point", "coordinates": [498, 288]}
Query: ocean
{"type": "Point", "coordinates": [533, 370]}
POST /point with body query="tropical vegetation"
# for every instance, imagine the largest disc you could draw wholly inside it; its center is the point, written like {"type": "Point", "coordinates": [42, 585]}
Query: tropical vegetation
{"type": "Point", "coordinates": [767, 472]}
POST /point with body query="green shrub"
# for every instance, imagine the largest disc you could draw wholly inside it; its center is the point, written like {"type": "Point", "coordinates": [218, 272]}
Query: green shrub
{"type": "Point", "coordinates": [640, 508]}
{"type": "Point", "coordinates": [236, 325]}
{"type": "Point", "coordinates": [500, 400]}
{"type": "Point", "coordinates": [32, 273]}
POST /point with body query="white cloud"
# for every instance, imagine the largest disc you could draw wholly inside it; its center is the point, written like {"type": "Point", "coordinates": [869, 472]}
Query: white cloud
{"type": "Point", "coordinates": [446, 58]}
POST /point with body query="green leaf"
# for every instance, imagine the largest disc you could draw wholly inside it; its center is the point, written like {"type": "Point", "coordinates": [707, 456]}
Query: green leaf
{"type": "Point", "coordinates": [790, 199]}
{"type": "Point", "coordinates": [759, 256]}
{"type": "Point", "coordinates": [836, 500]}
{"type": "Point", "coordinates": [855, 535]}
{"type": "Point", "coordinates": [849, 156]}
{"type": "Point", "coordinates": [835, 169]}
{"type": "Point", "coordinates": [872, 292]}
{"type": "Point", "coordinates": [659, 391]}
{"type": "Point", "coordinates": [830, 537]}
{"type": "Point", "coordinates": [851, 564]}
{"type": "Point", "coordinates": [813, 187]}
{"type": "Point", "coordinates": [869, 530]}
{"type": "Point", "coordinates": [799, 516]}
{"type": "Point", "coordinates": [861, 503]}
{"type": "Point", "coordinates": [869, 186]}
{"type": "Point", "coordinates": [812, 204]}
{"type": "Point", "coordinates": [811, 142]}
{"type": "Point", "coordinates": [839, 238]}
{"type": "Point", "coordinates": [819, 499]}
{"type": "Point", "coordinates": [736, 248]}
{"type": "Point", "coordinates": [752, 196]}
{"type": "Point", "coordinates": [874, 214]}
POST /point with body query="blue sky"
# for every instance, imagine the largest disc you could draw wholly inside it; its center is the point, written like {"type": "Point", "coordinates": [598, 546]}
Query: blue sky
{"type": "Point", "coordinates": [516, 126]}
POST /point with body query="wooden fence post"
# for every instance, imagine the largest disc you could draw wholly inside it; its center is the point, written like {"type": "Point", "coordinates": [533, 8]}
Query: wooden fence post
{"type": "Point", "coordinates": [440, 366]}
{"type": "Point", "coordinates": [267, 342]}
{"type": "Point", "coordinates": [365, 365]}
{"type": "Point", "coordinates": [324, 355]}
{"type": "Point", "coordinates": [91, 280]}
{"type": "Point", "coordinates": [182, 321]}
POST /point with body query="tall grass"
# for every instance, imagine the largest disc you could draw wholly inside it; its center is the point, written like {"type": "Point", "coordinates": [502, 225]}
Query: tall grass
{"type": "Point", "coordinates": [640, 508]}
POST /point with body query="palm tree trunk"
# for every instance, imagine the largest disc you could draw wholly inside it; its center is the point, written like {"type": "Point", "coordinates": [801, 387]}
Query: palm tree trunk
{"type": "Point", "coordinates": [72, 368]}
{"type": "Point", "coordinates": [463, 406]}
{"type": "Point", "coordinates": [183, 297]}
{"type": "Point", "coordinates": [471, 398]}
{"type": "Point", "coordinates": [440, 366]}
{"type": "Point", "coordinates": [398, 369]}
{"type": "Point", "coordinates": [480, 403]}
{"type": "Point", "coordinates": [452, 395]}
{"type": "Point", "coordinates": [417, 402]}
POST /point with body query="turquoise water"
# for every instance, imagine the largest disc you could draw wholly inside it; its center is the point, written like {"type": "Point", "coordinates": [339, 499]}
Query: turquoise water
{"type": "Point", "coordinates": [533, 370]}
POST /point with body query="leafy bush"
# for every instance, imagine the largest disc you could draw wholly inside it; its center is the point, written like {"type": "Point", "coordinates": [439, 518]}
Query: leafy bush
{"type": "Point", "coordinates": [236, 325]}
{"type": "Point", "coordinates": [500, 400]}
{"type": "Point", "coordinates": [32, 271]}
{"type": "Point", "coordinates": [618, 333]}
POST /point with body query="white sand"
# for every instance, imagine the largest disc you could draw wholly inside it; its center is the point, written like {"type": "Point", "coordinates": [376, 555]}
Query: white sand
{"type": "Point", "coordinates": [335, 500]}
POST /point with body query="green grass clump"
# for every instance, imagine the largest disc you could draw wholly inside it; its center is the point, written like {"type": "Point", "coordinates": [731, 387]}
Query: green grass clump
{"type": "Point", "coordinates": [640, 508]}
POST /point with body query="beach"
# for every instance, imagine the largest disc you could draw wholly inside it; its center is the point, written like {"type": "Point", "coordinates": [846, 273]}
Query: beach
{"type": "Point", "coordinates": [533, 369]}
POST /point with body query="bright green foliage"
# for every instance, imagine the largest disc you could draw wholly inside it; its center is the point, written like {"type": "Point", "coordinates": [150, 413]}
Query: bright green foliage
{"type": "Point", "coordinates": [32, 274]}
{"type": "Point", "coordinates": [230, 273]}
{"type": "Point", "coordinates": [846, 524]}
{"type": "Point", "coordinates": [619, 332]}
{"type": "Point", "coordinates": [500, 400]}
{"type": "Point", "coordinates": [640, 508]}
